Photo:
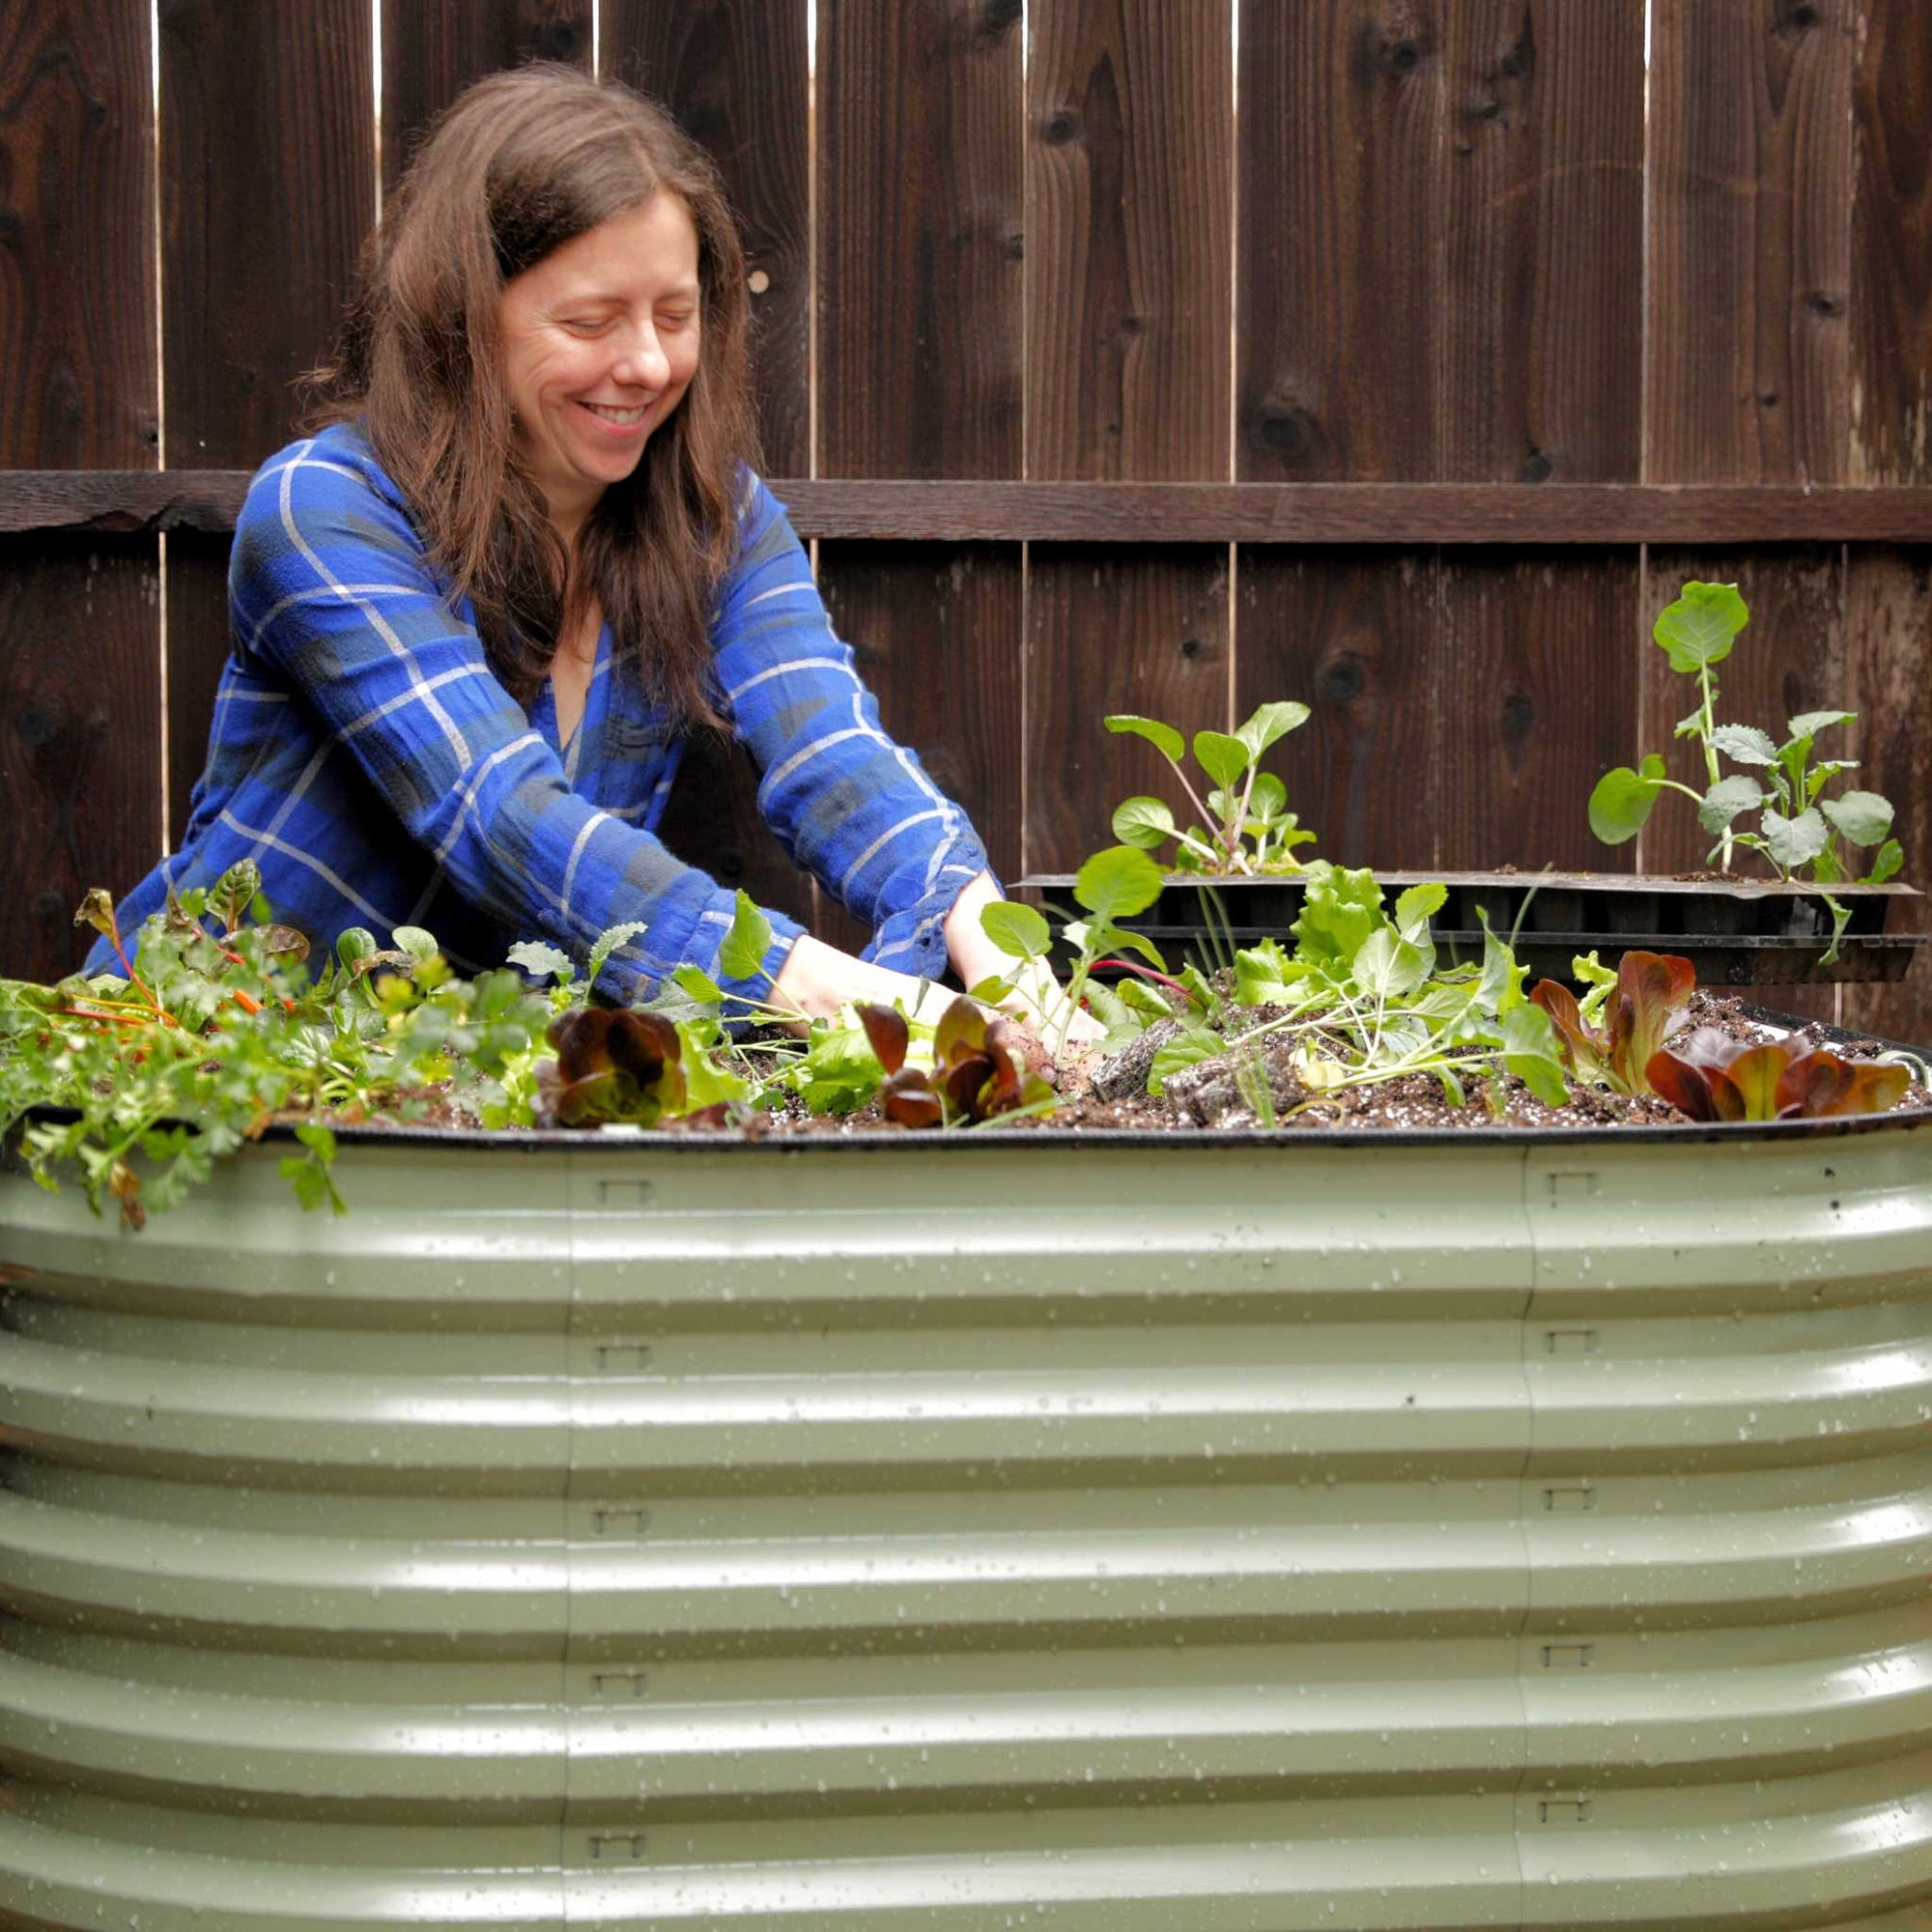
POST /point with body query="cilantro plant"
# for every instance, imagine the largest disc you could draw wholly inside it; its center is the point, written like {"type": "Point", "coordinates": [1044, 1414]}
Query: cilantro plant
{"type": "Point", "coordinates": [1244, 824]}
{"type": "Point", "coordinates": [1800, 832]}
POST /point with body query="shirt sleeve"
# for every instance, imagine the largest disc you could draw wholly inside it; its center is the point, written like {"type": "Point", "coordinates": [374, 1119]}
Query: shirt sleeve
{"type": "Point", "coordinates": [331, 586]}
{"type": "Point", "coordinates": [851, 806]}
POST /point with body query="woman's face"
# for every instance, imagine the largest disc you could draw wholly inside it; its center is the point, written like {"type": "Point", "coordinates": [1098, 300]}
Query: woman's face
{"type": "Point", "coordinates": [600, 343]}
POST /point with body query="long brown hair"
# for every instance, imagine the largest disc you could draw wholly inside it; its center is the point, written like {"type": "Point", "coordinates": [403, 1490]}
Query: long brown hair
{"type": "Point", "coordinates": [519, 164]}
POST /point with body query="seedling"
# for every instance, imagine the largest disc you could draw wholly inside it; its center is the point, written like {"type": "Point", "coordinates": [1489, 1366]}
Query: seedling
{"type": "Point", "coordinates": [1713, 1077]}
{"type": "Point", "coordinates": [1245, 826]}
{"type": "Point", "coordinates": [1649, 991]}
{"type": "Point", "coordinates": [1798, 831]}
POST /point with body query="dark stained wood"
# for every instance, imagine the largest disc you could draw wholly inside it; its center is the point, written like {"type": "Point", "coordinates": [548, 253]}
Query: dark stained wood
{"type": "Point", "coordinates": [1144, 632]}
{"type": "Point", "coordinates": [1791, 657]}
{"type": "Point", "coordinates": [1128, 272]}
{"type": "Point", "coordinates": [432, 51]}
{"type": "Point", "coordinates": [80, 737]}
{"type": "Point", "coordinates": [921, 237]}
{"type": "Point", "coordinates": [1541, 198]}
{"type": "Point", "coordinates": [1340, 245]}
{"type": "Point", "coordinates": [76, 219]}
{"type": "Point", "coordinates": [711, 819]}
{"type": "Point", "coordinates": [735, 73]}
{"type": "Point", "coordinates": [1750, 192]}
{"type": "Point", "coordinates": [1535, 699]}
{"type": "Point", "coordinates": [197, 646]}
{"type": "Point", "coordinates": [1357, 639]}
{"type": "Point", "coordinates": [1889, 306]}
{"type": "Point", "coordinates": [1888, 635]}
{"type": "Point", "coordinates": [936, 633]}
{"type": "Point", "coordinates": [268, 189]}
{"type": "Point", "coordinates": [1010, 512]}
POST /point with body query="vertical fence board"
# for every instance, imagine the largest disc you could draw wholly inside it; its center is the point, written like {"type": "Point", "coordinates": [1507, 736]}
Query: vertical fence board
{"type": "Point", "coordinates": [80, 786]}
{"type": "Point", "coordinates": [1888, 629]}
{"type": "Point", "coordinates": [1340, 241]}
{"type": "Point", "coordinates": [1542, 205]}
{"type": "Point", "coordinates": [80, 752]}
{"type": "Point", "coordinates": [267, 190]}
{"type": "Point", "coordinates": [1890, 294]}
{"type": "Point", "coordinates": [1354, 636]}
{"type": "Point", "coordinates": [1129, 185]}
{"type": "Point", "coordinates": [1111, 629]}
{"type": "Point", "coordinates": [1751, 190]}
{"type": "Point", "coordinates": [921, 301]}
{"type": "Point", "coordinates": [432, 51]}
{"type": "Point", "coordinates": [919, 242]}
{"type": "Point", "coordinates": [1129, 130]}
{"type": "Point", "coordinates": [735, 75]}
{"type": "Point", "coordinates": [1535, 699]}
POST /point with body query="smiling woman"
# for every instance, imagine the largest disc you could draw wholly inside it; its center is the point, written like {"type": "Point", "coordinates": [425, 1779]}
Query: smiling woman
{"type": "Point", "coordinates": [477, 615]}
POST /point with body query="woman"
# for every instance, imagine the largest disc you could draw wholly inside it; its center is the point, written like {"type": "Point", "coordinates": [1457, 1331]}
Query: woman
{"type": "Point", "coordinates": [475, 615]}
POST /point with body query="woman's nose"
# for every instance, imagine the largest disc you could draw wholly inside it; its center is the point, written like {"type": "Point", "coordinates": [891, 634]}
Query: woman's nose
{"type": "Point", "coordinates": [641, 360]}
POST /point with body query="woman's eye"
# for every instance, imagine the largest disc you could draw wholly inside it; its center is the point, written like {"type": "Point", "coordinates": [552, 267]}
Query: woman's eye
{"type": "Point", "coordinates": [675, 320]}
{"type": "Point", "coordinates": [585, 325]}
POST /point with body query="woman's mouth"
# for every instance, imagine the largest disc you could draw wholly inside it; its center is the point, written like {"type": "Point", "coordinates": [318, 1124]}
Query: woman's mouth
{"type": "Point", "coordinates": [616, 417]}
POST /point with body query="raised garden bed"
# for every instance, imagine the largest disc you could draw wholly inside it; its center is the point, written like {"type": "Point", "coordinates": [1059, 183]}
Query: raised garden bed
{"type": "Point", "coordinates": [1438, 1529]}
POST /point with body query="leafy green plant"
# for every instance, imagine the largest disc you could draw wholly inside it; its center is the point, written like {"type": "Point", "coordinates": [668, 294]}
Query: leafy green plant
{"type": "Point", "coordinates": [1800, 832]}
{"type": "Point", "coordinates": [1648, 991]}
{"type": "Point", "coordinates": [979, 1068]}
{"type": "Point", "coordinates": [1712, 1077]}
{"type": "Point", "coordinates": [1243, 823]}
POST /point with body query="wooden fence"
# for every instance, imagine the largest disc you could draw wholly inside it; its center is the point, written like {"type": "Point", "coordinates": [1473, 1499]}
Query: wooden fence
{"type": "Point", "coordinates": [1400, 355]}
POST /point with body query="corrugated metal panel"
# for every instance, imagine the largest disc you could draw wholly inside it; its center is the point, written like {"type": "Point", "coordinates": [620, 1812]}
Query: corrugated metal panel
{"type": "Point", "coordinates": [1443, 1534]}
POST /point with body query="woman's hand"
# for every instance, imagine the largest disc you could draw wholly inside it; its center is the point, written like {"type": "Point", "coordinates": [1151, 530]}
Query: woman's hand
{"type": "Point", "coordinates": [1037, 1001]}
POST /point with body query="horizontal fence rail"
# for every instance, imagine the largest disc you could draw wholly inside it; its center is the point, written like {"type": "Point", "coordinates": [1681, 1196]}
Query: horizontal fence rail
{"type": "Point", "coordinates": [911, 510]}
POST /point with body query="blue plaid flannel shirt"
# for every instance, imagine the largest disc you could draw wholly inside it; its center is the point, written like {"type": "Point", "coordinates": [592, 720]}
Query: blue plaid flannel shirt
{"type": "Point", "coordinates": [365, 757]}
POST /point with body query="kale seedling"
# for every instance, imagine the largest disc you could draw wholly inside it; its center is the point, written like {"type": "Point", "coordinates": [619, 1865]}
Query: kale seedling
{"type": "Point", "coordinates": [1799, 829]}
{"type": "Point", "coordinates": [1247, 827]}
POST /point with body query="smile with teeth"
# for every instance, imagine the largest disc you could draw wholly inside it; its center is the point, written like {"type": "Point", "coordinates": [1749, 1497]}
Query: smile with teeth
{"type": "Point", "coordinates": [621, 418]}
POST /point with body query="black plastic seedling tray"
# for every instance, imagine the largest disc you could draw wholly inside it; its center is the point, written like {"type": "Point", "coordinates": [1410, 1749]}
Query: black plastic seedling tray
{"type": "Point", "coordinates": [1734, 935]}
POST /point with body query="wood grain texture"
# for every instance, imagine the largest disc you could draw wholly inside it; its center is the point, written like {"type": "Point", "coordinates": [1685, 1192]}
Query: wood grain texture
{"type": "Point", "coordinates": [78, 377]}
{"type": "Point", "coordinates": [1535, 699]}
{"type": "Point", "coordinates": [432, 51]}
{"type": "Point", "coordinates": [1889, 638]}
{"type": "Point", "coordinates": [1440, 239]}
{"type": "Point", "coordinates": [268, 189]}
{"type": "Point", "coordinates": [1128, 265]}
{"type": "Point", "coordinates": [1890, 294]}
{"type": "Point", "coordinates": [1107, 630]}
{"type": "Point", "coordinates": [1357, 638]}
{"type": "Point", "coordinates": [936, 633]}
{"type": "Point", "coordinates": [735, 75]}
{"type": "Point", "coordinates": [1130, 513]}
{"type": "Point", "coordinates": [921, 239]}
{"type": "Point", "coordinates": [198, 644]}
{"type": "Point", "coordinates": [80, 737]}
{"type": "Point", "coordinates": [1541, 199]}
{"type": "Point", "coordinates": [1750, 192]}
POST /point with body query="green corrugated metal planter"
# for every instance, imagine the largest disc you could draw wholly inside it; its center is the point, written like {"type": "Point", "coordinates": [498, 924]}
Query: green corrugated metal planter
{"type": "Point", "coordinates": [1456, 1531]}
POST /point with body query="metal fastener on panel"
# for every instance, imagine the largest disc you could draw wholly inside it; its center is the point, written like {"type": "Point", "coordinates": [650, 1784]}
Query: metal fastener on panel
{"type": "Point", "coordinates": [1574, 1186]}
{"type": "Point", "coordinates": [628, 1521]}
{"type": "Point", "coordinates": [625, 1193]}
{"type": "Point", "coordinates": [619, 1356]}
{"type": "Point", "coordinates": [618, 1683]}
{"type": "Point", "coordinates": [1563, 1810]}
{"type": "Point", "coordinates": [1570, 1496]}
{"type": "Point", "coordinates": [1568, 1655]}
{"type": "Point", "coordinates": [1569, 1341]}
{"type": "Point", "coordinates": [607, 1845]}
